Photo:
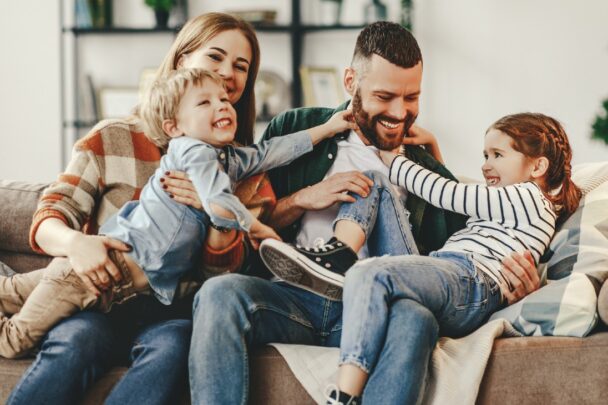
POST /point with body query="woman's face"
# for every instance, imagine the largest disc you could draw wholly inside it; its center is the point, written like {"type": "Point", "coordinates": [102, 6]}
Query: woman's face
{"type": "Point", "coordinates": [228, 54]}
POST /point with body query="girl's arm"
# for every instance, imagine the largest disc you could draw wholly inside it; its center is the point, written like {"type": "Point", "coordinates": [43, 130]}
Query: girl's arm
{"type": "Point", "coordinates": [500, 204]}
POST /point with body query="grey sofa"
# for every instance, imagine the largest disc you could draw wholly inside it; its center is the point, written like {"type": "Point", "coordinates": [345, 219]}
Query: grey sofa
{"type": "Point", "coordinates": [531, 370]}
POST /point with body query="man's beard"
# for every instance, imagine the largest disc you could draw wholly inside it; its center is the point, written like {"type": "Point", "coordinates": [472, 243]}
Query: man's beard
{"type": "Point", "coordinates": [367, 125]}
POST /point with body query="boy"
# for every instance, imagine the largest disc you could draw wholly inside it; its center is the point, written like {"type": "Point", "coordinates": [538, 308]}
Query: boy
{"type": "Point", "coordinates": [191, 109]}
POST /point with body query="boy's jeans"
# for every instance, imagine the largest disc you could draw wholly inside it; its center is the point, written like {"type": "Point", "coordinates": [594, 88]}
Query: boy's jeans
{"type": "Point", "coordinates": [383, 218]}
{"type": "Point", "coordinates": [440, 294]}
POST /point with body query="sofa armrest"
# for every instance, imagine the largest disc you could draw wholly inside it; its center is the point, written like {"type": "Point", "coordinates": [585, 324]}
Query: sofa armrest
{"type": "Point", "coordinates": [18, 201]}
{"type": "Point", "coordinates": [602, 303]}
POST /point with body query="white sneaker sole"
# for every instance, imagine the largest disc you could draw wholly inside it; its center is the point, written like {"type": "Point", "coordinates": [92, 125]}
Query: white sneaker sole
{"type": "Point", "coordinates": [294, 268]}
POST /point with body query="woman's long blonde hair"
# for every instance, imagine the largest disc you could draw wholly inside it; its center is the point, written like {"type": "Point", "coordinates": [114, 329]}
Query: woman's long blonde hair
{"type": "Point", "coordinates": [195, 33]}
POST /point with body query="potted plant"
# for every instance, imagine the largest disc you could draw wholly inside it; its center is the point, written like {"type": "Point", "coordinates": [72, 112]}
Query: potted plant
{"type": "Point", "coordinates": [600, 126]}
{"type": "Point", "coordinates": [161, 11]}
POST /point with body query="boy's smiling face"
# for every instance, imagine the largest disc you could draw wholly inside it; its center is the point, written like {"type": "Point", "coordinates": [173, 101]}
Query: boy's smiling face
{"type": "Point", "coordinates": [205, 113]}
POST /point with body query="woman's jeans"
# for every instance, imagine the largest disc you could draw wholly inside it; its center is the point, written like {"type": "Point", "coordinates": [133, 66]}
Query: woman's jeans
{"type": "Point", "coordinates": [383, 218]}
{"type": "Point", "coordinates": [442, 294]}
{"type": "Point", "coordinates": [82, 348]}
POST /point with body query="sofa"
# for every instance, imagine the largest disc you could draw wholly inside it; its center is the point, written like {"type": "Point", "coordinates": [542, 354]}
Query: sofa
{"type": "Point", "coordinates": [526, 370]}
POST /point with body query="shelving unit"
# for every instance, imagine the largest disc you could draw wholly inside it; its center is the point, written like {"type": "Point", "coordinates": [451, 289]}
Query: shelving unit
{"type": "Point", "coordinates": [296, 31]}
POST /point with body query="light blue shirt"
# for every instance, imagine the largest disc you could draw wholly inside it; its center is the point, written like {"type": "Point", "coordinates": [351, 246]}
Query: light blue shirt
{"type": "Point", "coordinates": [167, 236]}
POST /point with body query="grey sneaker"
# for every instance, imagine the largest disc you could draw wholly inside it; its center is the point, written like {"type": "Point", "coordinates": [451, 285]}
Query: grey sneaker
{"type": "Point", "coordinates": [319, 269]}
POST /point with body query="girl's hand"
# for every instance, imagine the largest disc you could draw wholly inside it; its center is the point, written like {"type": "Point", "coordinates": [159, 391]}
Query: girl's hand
{"type": "Point", "coordinates": [419, 136]}
{"type": "Point", "coordinates": [259, 231]}
{"type": "Point", "coordinates": [387, 157]}
{"type": "Point", "coordinates": [180, 188]}
{"type": "Point", "coordinates": [88, 255]}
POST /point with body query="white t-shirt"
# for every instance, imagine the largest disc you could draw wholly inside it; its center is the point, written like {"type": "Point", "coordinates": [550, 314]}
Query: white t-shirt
{"type": "Point", "coordinates": [353, 154]}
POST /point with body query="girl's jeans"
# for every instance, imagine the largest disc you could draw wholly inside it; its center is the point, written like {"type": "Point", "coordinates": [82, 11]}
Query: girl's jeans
{"type": "Point", "coordinates": [440, 294]}
{"type": "Point", "coordinates": [383, 218]}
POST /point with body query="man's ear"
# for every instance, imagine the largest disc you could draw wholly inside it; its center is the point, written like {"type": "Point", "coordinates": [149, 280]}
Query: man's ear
{"type": "Point", "coordinates": [170, 127]}
{"type": "Point", "coordinates": [350, 80]}
{"type": "Point", "coordinates": [540, 167]}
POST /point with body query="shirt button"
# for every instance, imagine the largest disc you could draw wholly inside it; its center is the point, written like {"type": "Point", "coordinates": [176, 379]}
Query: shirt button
{"type": "Point", "coordinates": [222, 155]}
{"type": "Point", "coordinates": [242, 222]}
{"type": "Point", "coordinates": [331, 155]}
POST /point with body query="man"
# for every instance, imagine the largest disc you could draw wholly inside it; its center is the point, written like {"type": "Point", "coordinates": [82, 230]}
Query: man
{"type": "Point", "coordinates": [233, 313]}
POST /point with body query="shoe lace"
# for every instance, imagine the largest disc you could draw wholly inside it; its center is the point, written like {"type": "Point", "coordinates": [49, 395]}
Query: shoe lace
{"type": "Point", "coordinates": [328, 391]}
{"type": "Point", "coordinates": [318, 245]}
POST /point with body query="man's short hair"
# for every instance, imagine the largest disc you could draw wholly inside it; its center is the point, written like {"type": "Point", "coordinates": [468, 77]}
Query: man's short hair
{"type": "Point", "coordinates": [388, 40]}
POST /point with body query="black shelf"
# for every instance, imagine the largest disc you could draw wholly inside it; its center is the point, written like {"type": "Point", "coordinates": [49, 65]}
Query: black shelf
{"type": "Point", "coordinates": [79, 124]}
{"type": "Point", "coordinates": [120, 30]}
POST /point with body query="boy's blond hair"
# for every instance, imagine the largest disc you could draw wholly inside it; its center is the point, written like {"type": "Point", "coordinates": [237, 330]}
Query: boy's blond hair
{"type": "Point", "coordinates": [162, 98]}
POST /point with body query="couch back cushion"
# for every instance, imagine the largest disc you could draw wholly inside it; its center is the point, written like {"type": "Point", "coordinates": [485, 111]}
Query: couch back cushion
{"type": "Point", "coordinates": [18, 201]}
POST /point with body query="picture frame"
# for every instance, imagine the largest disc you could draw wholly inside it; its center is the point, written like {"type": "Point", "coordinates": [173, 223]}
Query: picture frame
{"type": "Point", "coordinates": [117, 102]}
{"type": "Point", "coordinates": [321, 86]}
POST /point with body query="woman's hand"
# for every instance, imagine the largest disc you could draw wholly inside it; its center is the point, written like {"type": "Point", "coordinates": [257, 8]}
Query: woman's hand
{"type": "Point", "coordinates": [88, 255]}
{"type": "Point", "coordinates": [522, 273]}
{"type": "Point", "coordinates": [332, 190]}
{"type": "Point", "coordinates": [259, 231]}
{"type": "Point", "coordinates": [180, 188]}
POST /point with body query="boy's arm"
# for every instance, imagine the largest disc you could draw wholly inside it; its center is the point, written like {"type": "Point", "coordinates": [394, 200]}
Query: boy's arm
{"type": "Point", "coordinates": [249, 160]}
{"type": "Point", "coordinates": [214, 187]}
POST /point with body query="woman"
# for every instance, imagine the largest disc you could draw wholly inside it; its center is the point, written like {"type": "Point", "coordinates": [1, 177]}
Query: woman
{"type": "Point", "coordinates": [108, 168]}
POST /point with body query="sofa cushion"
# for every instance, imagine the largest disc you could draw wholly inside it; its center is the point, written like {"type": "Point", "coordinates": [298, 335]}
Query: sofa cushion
{"type": "Point", "coordinates": [576, 266]}
{"type": "Point", "coordinates": [18, 201]}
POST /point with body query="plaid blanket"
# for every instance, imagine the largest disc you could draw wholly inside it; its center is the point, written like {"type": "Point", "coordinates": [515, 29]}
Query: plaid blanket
{"type": "Point", "coordinates": [576, 267]}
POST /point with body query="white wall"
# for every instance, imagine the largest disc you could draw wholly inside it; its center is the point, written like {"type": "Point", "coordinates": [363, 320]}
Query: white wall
{"type": "Point", "coordinates": [483, 59]}
{"type": "Point", "coordinates": [488, 58]}
{"type": "Point", "coordinates": [29, 90]}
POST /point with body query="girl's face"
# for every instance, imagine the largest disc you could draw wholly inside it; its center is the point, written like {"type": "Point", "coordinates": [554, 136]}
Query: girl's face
{"type": "Point", "coordinates": [205, 113]}
{"type": "Point", "coordinates": [504, 165]}
{"type": "Point", "coordinates": [228, 54]}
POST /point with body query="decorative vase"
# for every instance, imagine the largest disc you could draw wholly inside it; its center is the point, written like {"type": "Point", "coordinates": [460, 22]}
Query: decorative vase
{"type": "Point", "coordinates": [162, 18]}
{"type": "Point", "coordinates": [330, 12]}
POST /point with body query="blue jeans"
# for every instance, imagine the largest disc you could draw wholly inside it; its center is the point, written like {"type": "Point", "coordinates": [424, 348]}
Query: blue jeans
{"type": "Point", "coordinates": [383, 218]}
{"type": "Point", "coordinates": [442, 294]}
{"type": "Point", "coordinates": [82, 348]}
{"type": "Point", "coordinates": [234, 313]}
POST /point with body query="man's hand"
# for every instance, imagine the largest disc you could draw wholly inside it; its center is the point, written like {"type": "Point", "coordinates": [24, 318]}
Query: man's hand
{"type": "Point", "coordinates": [88, 255]}
{"type": "Point", "coordinates": [332, 190]}
{"type": "Point", "coordinates": [522, 273]}
{"type": "Point", "coordinates": [259, 231]}
{"type": "Point", "coordinates": [180, 188]}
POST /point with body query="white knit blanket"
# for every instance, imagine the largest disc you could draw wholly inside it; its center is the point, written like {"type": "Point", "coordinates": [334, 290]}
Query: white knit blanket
{"type": "Point", "coordinates": [457, 365]}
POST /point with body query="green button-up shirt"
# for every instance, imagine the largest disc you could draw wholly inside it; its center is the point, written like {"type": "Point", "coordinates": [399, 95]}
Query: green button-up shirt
{"type": "Point", "coordinates": [431, 226]}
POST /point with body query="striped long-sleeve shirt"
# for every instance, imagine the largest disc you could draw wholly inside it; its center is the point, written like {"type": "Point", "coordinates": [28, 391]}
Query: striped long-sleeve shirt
{"type": "Point", "coordinates": [502, 220]}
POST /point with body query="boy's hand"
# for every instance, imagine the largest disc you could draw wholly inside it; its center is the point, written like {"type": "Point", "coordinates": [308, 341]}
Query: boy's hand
{"type": "Point", "coordinates": [387, 156]}
{"type": "Point", "coordinates": [340, 122]}
{"type": "Point", "coordinates": [259, 231]}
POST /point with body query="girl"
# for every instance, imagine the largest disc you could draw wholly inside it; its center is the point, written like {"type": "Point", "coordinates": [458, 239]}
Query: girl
{"type": "Point", "coordinates": [108, 168]}
{"type": "Point", "coordinates": [456, 288]}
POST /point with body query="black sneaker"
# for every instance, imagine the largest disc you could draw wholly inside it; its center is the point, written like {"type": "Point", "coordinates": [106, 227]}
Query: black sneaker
{"type": "Point", "coordinates": [336, 397]}
{"type": "Point", "coordinates": [318, 269]}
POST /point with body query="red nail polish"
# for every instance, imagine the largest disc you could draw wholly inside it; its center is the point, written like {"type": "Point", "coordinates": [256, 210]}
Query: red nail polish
{"type": "Point", "coordinates": [170, 195]}
{"type": "Point", "coordinates": [164, 186]}
{"type": "Point", "coordinates": [162, 179]}
{"type": "Point", "coordinates": [167, 173]}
